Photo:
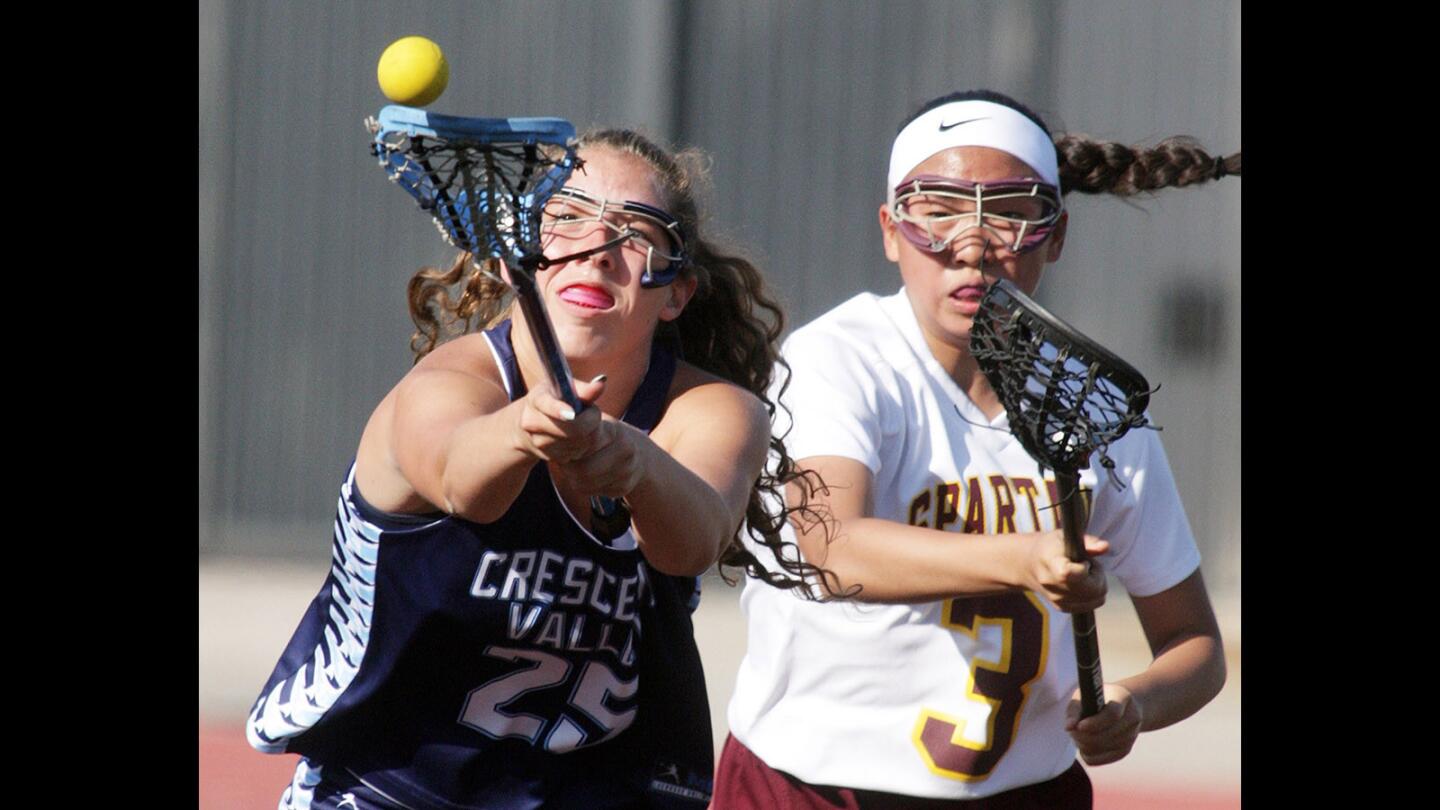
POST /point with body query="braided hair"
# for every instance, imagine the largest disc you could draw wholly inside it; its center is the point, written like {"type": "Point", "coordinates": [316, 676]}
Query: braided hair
{"type": "Point", "coordinates": [1091, 166]}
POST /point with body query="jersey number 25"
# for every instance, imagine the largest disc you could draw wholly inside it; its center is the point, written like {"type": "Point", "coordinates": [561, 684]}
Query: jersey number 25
{"type": "Point", "coordinates": [485, 708]}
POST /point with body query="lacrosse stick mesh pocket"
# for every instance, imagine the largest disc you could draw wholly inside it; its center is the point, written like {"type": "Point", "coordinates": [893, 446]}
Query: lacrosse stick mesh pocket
{"type": "Point", "coordinates": [485, 185]}
{"type": "Point", "coordinates": [1066, 396]}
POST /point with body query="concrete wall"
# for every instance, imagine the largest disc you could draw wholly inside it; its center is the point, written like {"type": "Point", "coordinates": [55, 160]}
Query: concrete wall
{"type": "Point", "coordinates": [305, 247]}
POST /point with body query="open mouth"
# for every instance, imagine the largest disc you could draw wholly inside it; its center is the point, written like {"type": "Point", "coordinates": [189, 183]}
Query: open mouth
{"type": "Point", "coordinates": [970, 292]}
{"type": "Point", "coordinates": [582, 295]}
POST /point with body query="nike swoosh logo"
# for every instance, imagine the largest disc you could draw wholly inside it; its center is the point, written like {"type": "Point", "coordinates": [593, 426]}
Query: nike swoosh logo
{"type": "Point", "coordinates": [944, 126]}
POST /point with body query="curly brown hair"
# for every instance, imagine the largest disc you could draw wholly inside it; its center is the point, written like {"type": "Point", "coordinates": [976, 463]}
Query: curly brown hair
{"type": "Point", "coordinates": [730, 328]}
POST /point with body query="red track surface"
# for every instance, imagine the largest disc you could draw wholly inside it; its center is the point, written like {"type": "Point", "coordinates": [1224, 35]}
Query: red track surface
{"type": "Point", "coordinates": [234, 776]}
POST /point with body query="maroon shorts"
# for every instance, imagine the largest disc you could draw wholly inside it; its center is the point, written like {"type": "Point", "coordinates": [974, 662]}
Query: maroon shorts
{"type": "Point", "coordinates": [743, 781]}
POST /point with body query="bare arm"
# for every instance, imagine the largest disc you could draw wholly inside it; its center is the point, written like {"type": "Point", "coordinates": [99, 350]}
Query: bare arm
{"type": "Point", "coordinates": [1186, 673]}
{"type": "Point", "coordinates": [708, 451]}
{"type": "Point", "coordinates": [894, 562]}
{"type": "Point", "coordinates": [451, 438]}
{"type": "Point", "coordinates": [1189, 666]}
{"type": "Point", "coordinates": [687, 482]}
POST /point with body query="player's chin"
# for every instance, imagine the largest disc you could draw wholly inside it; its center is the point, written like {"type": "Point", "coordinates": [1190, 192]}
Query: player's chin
{"type": "Point", "coordinates": [957, 319]}
{"type": "Point", "coordinates": [579, 339]}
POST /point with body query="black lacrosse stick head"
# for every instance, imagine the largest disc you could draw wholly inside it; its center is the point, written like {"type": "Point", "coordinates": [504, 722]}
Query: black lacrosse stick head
{"type": "Point", "coordinates": [1066, 395]}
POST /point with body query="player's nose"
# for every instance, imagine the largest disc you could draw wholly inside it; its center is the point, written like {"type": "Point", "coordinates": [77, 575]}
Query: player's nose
{"type": "Point", "coordinates": [602, 252]}
{"type": "Point", "coordinates": [971, 247]}
{"type": "Point", "coordinates": [596, 245]}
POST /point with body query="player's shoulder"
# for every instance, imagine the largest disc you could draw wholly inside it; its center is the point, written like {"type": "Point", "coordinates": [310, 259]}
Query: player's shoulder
{"type": "Point", "coordinates": [860, 325]}
{"type": "Point", "coordinates": [717, 406]}
{"type": "Point", "coordinates": [1137, 462]}
{"type": "Point", "coordinates": [468, 362]}
{"type": "Point", "coordinates": [694, 388]}
{"type": "Point", "coordinates": [471, 354]}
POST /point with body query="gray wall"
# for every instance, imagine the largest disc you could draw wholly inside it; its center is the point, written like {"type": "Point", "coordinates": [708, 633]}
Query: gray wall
{"type": "Point", "coordinates": [305, 247]}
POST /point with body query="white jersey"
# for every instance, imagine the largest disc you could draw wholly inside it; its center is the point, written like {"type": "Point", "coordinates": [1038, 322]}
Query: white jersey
{"type": "Point", "coordinates": [960, 698]}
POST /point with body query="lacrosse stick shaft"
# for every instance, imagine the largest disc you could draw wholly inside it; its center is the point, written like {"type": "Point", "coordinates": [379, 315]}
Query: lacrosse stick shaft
{"type": "Point", "coordinates": [543, 335]}
{"type": "Point", "coordinates": [609, 517]}
{"type": "Point", "coordinates": [1087, 643]}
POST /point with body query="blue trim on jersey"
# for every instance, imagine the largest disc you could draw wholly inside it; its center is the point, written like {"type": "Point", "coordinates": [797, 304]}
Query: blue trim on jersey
{"type": "Point", "coordinates": [391, 521]}
{"type": "Point", "coordinates": [300, 793]}
{"type": "Point", "coordinates": [296, 703]}
{"type": "Point", "coordinates": [390, 677]}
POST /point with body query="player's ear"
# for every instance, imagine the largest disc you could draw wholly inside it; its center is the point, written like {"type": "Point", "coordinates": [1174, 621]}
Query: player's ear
{"type": "Point", "coordinates": [681, 290]}
{"type": "Point", "coordinates": [887, 233]}
{"type": "Point", "coordinates": [1056, 243]}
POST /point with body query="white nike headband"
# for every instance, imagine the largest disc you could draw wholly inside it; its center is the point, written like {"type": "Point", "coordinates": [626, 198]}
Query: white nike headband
{"type": "Point", "coordinates": [971, 123]}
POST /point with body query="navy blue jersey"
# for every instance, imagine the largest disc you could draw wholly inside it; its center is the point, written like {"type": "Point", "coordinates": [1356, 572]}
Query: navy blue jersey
{"type": "Point", "coordinates": [518, 663]}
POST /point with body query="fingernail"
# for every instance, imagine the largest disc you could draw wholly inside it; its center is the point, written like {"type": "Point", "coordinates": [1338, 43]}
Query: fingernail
{"type": "Point", "coordinates": [599, 378]}
{"type": "Point", "coordinates": [568, 414]}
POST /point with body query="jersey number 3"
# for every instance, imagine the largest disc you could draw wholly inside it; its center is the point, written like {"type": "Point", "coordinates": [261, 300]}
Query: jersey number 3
{"type": "Point", "coordinates": [1001, 686]}
{"type": "Point", "coordinates": [485, 708]}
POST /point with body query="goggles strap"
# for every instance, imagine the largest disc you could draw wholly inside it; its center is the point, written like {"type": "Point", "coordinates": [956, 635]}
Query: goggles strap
{"type": "Point", "coordinates": [545, 262]}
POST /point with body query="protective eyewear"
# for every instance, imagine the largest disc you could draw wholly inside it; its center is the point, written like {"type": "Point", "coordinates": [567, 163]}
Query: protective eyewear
{"type": "Point", "coordinates": [932, 212]}
{"type": "Point", "coordinates": [572, 214]}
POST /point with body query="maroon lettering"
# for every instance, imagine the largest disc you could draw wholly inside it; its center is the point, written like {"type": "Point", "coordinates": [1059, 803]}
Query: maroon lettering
{"type": "Point", "coordinates": [947, 506]}
{"type": "Point", "coordinates": [1027, 488]}
{"type": "Point", "coordinates": [918, 506]}
{"type": "Point", "coordinates": [1004, 505]}
{"type": "Point", "coordinates": [974, 509]}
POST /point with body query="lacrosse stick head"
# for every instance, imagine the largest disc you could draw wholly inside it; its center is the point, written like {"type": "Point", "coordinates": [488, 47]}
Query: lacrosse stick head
{"type": "Point", "coordinates": [1066, 396]}
{"type": "Point", "coordinates": [485, 181]}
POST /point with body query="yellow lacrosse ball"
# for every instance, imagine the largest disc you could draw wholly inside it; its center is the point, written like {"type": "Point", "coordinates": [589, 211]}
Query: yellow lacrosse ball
{"type": "Point", "coordinates": [413, 71]}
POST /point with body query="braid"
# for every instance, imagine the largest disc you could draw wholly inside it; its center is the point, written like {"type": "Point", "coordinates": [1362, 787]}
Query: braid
{"type": "Point", "coordinates": [1105, 167]}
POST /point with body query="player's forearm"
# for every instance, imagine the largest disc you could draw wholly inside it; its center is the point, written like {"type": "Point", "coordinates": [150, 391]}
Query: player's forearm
{"type": "Point", "coordinates": [482, 471]}
{"type": "Point", "coordinates": [680, 521]}
{"type": "Point", "coordinates": [893, 562]}
{"type": "Point", "coordinates": [1185, 675]}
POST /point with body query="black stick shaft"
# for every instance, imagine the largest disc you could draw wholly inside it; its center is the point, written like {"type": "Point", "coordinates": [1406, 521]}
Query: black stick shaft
{"type": "Point", "coordinates": [543, 335]}
{"type": "Point", "coordinates": [608, 517]}
{"type": "Point", "coordinates": [1087, 643]}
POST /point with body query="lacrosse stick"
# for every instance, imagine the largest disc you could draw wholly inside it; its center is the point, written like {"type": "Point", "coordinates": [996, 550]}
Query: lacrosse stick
{"type": "Point", "coordinates": [1067, 397]}
{"type": "Point", "coordinates": [485, 181]}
